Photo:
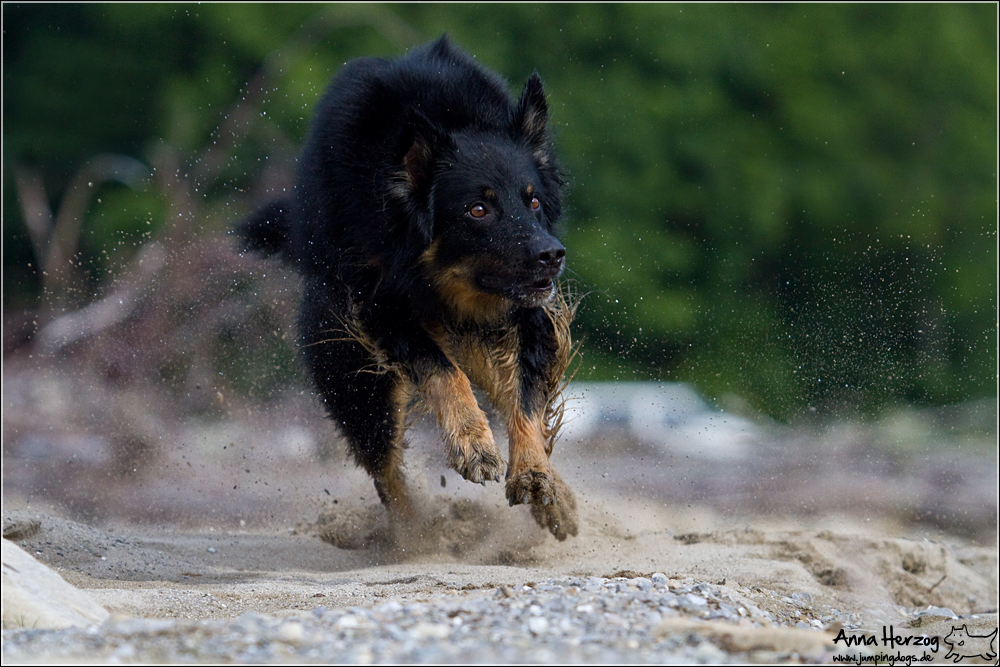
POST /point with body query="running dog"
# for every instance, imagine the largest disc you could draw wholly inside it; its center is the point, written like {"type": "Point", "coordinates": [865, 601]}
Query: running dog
{"type": "Point", "coordinates": [423, 223]}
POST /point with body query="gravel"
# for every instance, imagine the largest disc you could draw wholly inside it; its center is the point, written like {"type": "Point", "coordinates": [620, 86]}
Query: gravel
{"type": "Point", "coordinates": [576, 620]}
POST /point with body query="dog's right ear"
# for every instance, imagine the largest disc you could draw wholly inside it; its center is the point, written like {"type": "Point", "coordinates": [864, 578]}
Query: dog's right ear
{"type": "Point", "coordinates": [421, 142]}
{"type": "Point", "coordinates": [420, 145]}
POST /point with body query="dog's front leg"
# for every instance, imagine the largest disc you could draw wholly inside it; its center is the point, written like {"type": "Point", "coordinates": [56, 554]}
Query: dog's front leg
{"type": "Point", "coordinates": [531, 480]}
{"type": "Point", "coordinates": [469, 442]}
{"type": "Point", "coordinates": [446, 391]}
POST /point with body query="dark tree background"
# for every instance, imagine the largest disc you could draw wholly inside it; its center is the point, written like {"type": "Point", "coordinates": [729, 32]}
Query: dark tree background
{"type": "Point", "coordinates": [792, 206]}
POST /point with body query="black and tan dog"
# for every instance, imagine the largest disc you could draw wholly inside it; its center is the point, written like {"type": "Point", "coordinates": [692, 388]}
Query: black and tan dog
{"type": "Point", "coordinates": [423, 222]}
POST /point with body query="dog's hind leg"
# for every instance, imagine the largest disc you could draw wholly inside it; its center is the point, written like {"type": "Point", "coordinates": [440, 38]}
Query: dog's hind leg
{"type": "Point", "coordinates": [368, 404]}
{"type": "Point", "coordinates": [370, 410]}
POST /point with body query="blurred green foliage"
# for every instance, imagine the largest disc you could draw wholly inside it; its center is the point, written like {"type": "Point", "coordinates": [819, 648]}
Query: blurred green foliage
{"type": "Point", "coordinates": [790, 204]}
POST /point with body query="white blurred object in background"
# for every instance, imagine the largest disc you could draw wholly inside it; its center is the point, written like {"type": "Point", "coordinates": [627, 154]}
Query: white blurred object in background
{"type": "Point", "coordinates": [661, 414]}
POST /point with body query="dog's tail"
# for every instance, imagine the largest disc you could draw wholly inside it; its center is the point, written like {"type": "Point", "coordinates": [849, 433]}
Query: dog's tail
{"type": "Point", "coordinates": [268, 231]}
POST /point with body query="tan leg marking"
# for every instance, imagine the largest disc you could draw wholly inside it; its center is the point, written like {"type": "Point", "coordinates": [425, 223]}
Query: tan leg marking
{"type": "Point", "coordinates": [391, 486]}
{"type": "Point", "coordinates": [530, 480]}
{"type": "Point", "coordinates": [469, 442]}
{"type": "Point", "coordinates": [390, 482]}
{"type": "Point", "coordinates": [560, 517]}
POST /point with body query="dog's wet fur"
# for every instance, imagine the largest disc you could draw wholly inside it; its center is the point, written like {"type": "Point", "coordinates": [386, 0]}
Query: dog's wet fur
{"type": "Point", "coordinates": [423, 222]}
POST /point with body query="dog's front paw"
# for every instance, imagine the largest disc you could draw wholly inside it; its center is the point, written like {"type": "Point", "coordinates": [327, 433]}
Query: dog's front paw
{"type": "Point", "coordinates": [560, 516]}
{"type": "Point", "coordinates": [531, 487]}
{"type": "Point", "coordinates": [475, 456]}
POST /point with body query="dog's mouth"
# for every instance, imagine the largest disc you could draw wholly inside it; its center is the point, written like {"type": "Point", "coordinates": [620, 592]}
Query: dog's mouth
{"type": "Point", "coordinates": [542, 285]}
{"type": "Point", "coordinates": [526, 290]}
{"type": "Point", "coordinates": [535, 292]}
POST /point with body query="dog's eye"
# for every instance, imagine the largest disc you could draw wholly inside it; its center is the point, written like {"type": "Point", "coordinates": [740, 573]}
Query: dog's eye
{"type": "Point", "coordinates": [535, 204]}
{"type": "Point", "coordinates": [477, 211]}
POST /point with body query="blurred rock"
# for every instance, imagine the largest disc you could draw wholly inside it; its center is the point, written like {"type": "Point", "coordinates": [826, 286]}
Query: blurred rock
{"type": "Point", "coordinates": [34, 596]}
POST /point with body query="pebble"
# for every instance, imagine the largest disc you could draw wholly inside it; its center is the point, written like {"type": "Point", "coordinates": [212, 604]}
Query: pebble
{"type": "Point", "coordinates": [538, 625]}
{"type": "Point", "coordinates": [347, 623]}
{"type": "Point", "coordinates": [591, 620]}
{"type": "Point", "coordinates": [291, 632]}
{"type": "Point", "coordinates": [429, 631]}
{"type": "Point", "coordinates": [693, 603]}
{"type": "Point", "coordinates": [944, 612]}
{"type": "Point", "coordinates": [709, 653]}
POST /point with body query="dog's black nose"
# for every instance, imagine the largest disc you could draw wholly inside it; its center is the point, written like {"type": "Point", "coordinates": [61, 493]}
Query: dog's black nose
{"type": "Point", "coordinates": [552, 258]}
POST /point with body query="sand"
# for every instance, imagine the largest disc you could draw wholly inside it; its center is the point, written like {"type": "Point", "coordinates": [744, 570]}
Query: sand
{"type": "Point", "coordinates": [164, 572]}
{"type": "Point", "coordinates": [822, 531]}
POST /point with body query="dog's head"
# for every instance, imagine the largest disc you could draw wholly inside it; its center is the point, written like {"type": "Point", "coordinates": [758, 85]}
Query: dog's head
{"type": "Point", "coordinates": [488, 200]}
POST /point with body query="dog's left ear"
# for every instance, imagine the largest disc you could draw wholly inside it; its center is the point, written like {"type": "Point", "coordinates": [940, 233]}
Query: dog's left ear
{"type": "Point", "coordinates": [529, 122]}
{"type": "Point", "coordinates": [532, 112]}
